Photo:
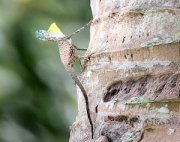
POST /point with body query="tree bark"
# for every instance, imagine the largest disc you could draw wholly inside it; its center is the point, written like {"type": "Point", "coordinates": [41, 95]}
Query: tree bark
{"type": "Point", "coordinates": [132, 75]}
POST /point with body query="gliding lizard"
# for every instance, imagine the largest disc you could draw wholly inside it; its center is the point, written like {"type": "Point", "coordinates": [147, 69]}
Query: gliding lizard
{"type": "Point", "coordinates": [67, 55]}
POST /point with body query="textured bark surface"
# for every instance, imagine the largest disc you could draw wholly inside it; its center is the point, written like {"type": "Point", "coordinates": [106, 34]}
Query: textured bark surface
{"type": "Point", "coordinates": [132, 75]}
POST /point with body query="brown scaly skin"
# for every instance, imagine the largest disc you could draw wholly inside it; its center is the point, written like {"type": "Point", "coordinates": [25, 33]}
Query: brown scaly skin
{"type": "Point", "coordinates": [68, 57]}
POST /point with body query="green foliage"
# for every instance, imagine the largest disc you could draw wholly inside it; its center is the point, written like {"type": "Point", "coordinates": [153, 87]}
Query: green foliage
{"type": "Point", "coordinates": [37, 102]}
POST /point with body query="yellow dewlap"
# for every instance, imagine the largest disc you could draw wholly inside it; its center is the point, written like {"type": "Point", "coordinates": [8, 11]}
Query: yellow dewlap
{"type": "Point", "coordinates": [53, 28]}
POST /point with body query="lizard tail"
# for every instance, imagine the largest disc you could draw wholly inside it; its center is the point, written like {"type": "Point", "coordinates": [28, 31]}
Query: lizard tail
{"type": "Point", "coordinates": [77, 81]}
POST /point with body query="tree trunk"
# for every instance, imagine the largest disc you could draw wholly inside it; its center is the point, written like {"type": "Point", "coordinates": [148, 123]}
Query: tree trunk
{"type": "Point", "coordinates": [132, 76]}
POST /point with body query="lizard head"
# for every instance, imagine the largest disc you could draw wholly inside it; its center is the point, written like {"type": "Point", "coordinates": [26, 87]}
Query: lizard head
{"type": "Point", "coordinates": [53, 33]}
{"type": "Point", "coordinates": [42, 35]}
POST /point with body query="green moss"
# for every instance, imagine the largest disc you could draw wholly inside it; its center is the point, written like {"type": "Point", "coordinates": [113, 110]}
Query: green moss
{"type": "Point", "coordinates": [149, 129]}
{"type": "Point", "coordinates": [138, 100]}
{"type": "Point", "coordinates": [152, 13]}
{"type": "Point", "coordinates": [177, 35]}
{"type": "Point", "coordinates": [159, 41]}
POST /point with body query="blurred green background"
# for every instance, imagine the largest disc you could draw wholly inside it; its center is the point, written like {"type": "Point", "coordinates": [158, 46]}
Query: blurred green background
{"type": "Point", "coordinates": [37, 97]}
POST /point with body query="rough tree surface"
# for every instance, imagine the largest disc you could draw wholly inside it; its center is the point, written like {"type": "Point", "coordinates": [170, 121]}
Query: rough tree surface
{"type": "Point", "coordinates": [132, 75]}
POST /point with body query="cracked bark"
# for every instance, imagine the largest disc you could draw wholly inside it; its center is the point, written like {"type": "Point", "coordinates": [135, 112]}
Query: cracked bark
{"type": "Point", "coordinates": [132, 76]}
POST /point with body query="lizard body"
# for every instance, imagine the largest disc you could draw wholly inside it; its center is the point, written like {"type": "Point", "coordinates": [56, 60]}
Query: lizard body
{"type": "Point", "coordinates": [68, 57]}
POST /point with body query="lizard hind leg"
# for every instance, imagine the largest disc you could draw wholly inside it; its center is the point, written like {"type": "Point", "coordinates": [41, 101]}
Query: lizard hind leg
{"type": "Point", "coordinates": [82, 61]}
